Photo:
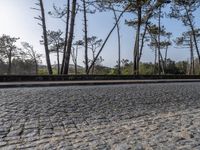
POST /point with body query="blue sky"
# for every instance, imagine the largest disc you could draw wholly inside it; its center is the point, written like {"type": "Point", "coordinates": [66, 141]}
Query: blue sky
{"type": "Point", "coordinates": [17, 19]}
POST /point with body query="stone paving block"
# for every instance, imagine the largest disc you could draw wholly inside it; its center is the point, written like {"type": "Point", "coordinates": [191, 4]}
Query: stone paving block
{"type": "Point", "coordinates": [150, 116]}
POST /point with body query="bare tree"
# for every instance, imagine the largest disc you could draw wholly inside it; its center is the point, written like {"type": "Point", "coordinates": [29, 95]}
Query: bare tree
{"type": "Point", "coordinates": [154, 32]}
{"type": "Point", "coordinates": [93, 44]}
{"type": "Point", "coordinates": [119, 41]}
{"type": "Point", "coordinates": [43, 24]}
{"type": "Point", "coordinates": [186, 40]}
{"type": "Point", "coordinates": [56, 43]}
{"type": "Point", "coordinates": [70, 39]}
{"type": "Point", "coordinates": [114, 6]}
{"type": "Point", "coordinates": [66, 35]}
{"type": "Point", "coordinates": [30, 52]}
{"type": "Point", "coordinates": [86, 35]}
{"type": "Point", "coordinates": [144, 10]}
{"type": "Point", "coordinates": [108, 36]}
{"type": "Point", "coordinates": [74, 54]}
{"type": "Point", "coordinates": [184, 10]}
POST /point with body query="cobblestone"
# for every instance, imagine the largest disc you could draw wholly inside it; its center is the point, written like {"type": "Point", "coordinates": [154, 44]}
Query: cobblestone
{"type": "Point", "coordinates": [143, 116]}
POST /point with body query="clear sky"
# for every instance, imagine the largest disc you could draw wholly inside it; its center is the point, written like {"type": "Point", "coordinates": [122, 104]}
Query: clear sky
{"type": "Point", "coordinates": [17, 19]}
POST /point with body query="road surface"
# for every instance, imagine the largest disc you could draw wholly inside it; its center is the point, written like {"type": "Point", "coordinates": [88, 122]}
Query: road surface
{"type": "Point", "coordinates": [138, 116]}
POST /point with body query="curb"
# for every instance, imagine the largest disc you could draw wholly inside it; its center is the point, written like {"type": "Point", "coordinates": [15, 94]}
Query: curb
{"type": "Point", "coordinates": [90, 83]}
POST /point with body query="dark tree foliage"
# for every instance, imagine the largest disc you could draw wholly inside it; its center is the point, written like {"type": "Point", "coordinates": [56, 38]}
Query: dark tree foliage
{"type": "Point", "coordinates": [183, 10]}
{"type": "Point", "coordinates": [8, 50]}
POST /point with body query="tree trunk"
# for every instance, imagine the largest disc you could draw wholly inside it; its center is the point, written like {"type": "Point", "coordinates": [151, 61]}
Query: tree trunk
{"type": "Point", "coordinates": [70, 39]}
{"type": "Point", "coordinates": [104, 43]}
{"type": "Point", "coordinates": [157, 55]}
{"type": "Point", "coordinates": [75, 68]}
{"type": "Point", "coordinates": [45, 38]}
{"type": "Point", "coordinates": [143, 37]}
{"type": "Point", "coordinates": [196, 44]}
{"type": "Point", "coordinates": [191, 70]}
{"type": "Point", "coordinates": [86, 37]}
{"type": "Point", "coordinates": [66, 36]}
{"type": "Point", "coordinates": [58, 59]}
{"type": "Point", "coordinates": [135, 56]}
{"type": "Point", "coordinates": [155, 61]}
{"type": "Point", "coordinates": [137, 45]}
{"type": "Point", "coordinates": [93, 55]}
{"type": "Point", "coordinates": [193, 34]}
{"type": "Point", "coordinates": [159, 32]}
{"type": "Point", "coordinates": [75, 61]}
{"type": "Point", "coordinates": [162, 63]}
{"type": "Point", "coordinates": [119, 43]}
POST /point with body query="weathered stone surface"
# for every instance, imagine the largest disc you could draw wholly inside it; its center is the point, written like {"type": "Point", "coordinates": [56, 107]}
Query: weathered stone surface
{"type": "Point", "coordinates": [148, 116]}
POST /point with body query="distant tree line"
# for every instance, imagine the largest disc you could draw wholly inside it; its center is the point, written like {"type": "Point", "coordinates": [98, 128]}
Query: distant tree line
{"type": "Point", "coordinates": [15, 60]}
{"type": "Point", "coordinates": [171, 67]}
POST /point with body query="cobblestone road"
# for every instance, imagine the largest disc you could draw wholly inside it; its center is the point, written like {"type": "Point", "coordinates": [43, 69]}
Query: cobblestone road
{"type": "Point", "coordinates": [144, 116]}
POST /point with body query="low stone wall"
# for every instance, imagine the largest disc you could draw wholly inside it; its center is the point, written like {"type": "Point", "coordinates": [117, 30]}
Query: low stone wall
{"type": "Point", "coordinates": [12, 78]}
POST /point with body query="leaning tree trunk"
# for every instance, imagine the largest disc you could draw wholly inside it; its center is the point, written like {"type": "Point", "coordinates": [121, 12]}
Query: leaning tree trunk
{"type": "Point", "coordinates": [108, 36]}
{"type": "Point", "coordinates": [70, 39]}
{"type": "Point", "coordinates": [58, 59]}
{"type": "Point", "coordinates": [162, 63]}
{"type": "Point", "coordinates": [193, 34]}
{"type": "Point", "coordinates": [45, 38]}
{"type": "Point", "coordinates": [143, 37]}
{"type": "Point", "coordinates": [119, 43]}
{"type": "Point", "coordinates": [86, 37]}
{"type": "Point", "coordinates": [66, 36]}
{"type": "Point", "coordinates": [195, 43]}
